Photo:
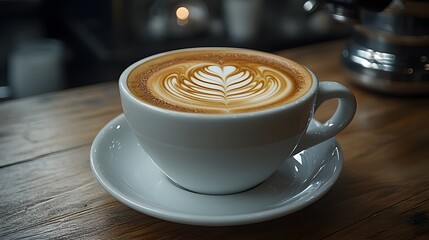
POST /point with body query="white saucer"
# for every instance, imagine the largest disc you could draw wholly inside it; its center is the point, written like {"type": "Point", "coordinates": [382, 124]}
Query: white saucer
{"type": "Point", "coordinates": [126, 171]}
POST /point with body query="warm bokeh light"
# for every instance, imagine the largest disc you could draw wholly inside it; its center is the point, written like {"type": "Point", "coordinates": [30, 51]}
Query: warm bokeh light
{"type": "Point", "coordinates": [182, 13]}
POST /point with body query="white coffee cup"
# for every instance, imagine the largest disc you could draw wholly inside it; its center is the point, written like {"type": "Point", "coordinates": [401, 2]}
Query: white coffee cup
{"type": "Point", "coordinates": [230, 153]}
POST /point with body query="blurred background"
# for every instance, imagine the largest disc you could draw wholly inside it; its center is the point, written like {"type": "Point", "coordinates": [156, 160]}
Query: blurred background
{"type": "Point", "coordinates": [48, 45]}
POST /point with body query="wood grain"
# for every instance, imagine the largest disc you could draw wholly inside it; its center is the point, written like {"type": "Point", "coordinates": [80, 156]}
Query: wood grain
{"type": "Point", "coordinates": [47, 190]}
{"type": "Point", "coordinates": [36, 126]}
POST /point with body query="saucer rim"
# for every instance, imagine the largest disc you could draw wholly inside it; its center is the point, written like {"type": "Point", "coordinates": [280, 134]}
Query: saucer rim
{"type": "Point", "coordinates": [207, 220]}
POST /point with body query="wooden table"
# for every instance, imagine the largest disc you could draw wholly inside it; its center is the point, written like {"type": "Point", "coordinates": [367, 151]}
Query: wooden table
{"type": "Point", "coordinates": [47, 189]}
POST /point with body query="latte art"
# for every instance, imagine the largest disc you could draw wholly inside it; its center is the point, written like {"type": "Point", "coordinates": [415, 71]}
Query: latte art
{"type": "Point", "coordinates": [221, 87]}
{"type": "Point", "coordinates": [217, 82]}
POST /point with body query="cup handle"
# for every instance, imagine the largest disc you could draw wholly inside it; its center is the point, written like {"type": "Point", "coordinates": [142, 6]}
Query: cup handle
{"type": "Point", "coordinates": [342, 116]}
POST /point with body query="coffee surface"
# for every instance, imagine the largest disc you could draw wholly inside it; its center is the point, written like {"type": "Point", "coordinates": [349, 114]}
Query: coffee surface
{"type": "Point", "coordinates": [218, 81]}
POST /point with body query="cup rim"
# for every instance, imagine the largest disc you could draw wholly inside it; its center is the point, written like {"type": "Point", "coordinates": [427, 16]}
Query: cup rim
{"type": "Point", "coordinates": [125, 90]}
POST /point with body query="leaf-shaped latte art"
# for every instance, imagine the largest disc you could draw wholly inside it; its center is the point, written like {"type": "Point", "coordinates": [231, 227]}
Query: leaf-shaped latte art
{"type": "Point", "coordinates": [223, 87]}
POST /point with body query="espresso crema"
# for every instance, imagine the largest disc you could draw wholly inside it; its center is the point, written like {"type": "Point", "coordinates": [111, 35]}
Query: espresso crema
{"type": "Point", "coordinates": [218, 81]}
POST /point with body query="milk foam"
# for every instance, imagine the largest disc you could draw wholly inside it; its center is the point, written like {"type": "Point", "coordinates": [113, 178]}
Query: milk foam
{"type": "Point", "coordinates": [226, 85]}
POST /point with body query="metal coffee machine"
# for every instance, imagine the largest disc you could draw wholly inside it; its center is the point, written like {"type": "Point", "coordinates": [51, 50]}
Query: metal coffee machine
{"type": "Point", "coordinates": [389, 49]}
